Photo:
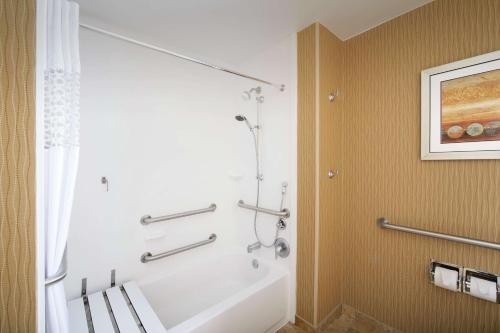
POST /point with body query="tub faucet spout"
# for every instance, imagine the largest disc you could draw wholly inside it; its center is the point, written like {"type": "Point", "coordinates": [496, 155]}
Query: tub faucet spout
{"type": "Point", "coordinates": [253, 247]}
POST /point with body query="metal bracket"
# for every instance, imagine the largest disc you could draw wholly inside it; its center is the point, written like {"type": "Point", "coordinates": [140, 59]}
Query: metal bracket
{"type": "Point", "coordinates": [105, 181]}
{"type": "Point", "coordinates": [333, 173]}
{"type": "Point", "coordinates": [84, 287]}
{"type": "Point", "coordinates": [113, 277]}
{"type": "Point", "coordinates": [333, 96]}
{"type": "Point", "coordinates": [281, 224]}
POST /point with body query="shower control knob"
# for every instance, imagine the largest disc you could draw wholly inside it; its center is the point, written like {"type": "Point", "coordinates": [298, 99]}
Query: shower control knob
{"type": "Point", "coordinates": [281, 248]}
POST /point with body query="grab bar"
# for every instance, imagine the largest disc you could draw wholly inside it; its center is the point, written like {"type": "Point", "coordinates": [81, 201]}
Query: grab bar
{"type": "Point", "coordinates": [384, 223]}
{"type": "Point", "coordinates": [147, 219]}
{"type": "Point", "coordinates": [61, 272]}
{"type": "Point", "coordinates": [56, 278]}
{"type": "Point", "coordinates": [281, 213]}
{"type": "Point", "coordinates": [147, 257]}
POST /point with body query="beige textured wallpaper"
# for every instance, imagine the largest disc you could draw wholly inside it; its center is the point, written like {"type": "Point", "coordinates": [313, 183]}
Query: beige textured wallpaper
{"type": "Point", "coordinates": [384, 176]}
{"type": "Point", "coordinates": [332, 191]}
{"type": "Point", "coordinates": [17, 166]}
{"type": "Point", "coordinates": [306, 98]}
{"type": "Point", "coordinates": [372, 135]}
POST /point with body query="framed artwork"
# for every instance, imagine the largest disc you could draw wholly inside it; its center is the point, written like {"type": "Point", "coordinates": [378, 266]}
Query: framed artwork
{"type": "Point", "coordinates": [461, 110]}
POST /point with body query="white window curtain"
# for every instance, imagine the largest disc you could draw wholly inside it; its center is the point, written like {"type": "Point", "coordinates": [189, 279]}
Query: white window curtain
{"type": "Point", "coordinates": [61, 116]}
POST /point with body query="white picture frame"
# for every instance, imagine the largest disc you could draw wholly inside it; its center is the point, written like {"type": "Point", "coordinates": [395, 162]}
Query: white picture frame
{"type": "Point", "coordinates": [467, 146]}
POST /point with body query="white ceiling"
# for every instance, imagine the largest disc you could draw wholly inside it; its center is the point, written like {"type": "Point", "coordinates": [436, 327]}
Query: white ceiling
{"type": "Point", "coordinates": [231, 31]}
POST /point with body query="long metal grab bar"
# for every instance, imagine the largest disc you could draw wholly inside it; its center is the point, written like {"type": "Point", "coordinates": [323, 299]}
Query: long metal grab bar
{"type": "Point", "coordinates": [281, 213]}
{"type": "Point", "coordinates": [147, 219]}
{"type": "Point", "coordinates": [147, 257]}
{"type": "Point", "coordinates": [384, 223]}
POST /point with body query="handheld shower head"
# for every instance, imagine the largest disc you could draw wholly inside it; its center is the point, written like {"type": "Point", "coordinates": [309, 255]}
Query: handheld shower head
{"type": "Point", "coordinates": [240, 117]}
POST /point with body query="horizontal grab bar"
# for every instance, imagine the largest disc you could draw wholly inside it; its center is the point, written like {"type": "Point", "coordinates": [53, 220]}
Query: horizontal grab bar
{"type": "Point", "coordinates": [56, 278]}
{"type": "Point", "coordinates": [61, 272]}
{"type": "Point", "coordinates": [281, 213]}
{"type": "Point", "coordinates": [384, 223]}
{"type": "Point", "coordinates": [147, 219]}
{"type": "Point", "coordinates": [147, 257]}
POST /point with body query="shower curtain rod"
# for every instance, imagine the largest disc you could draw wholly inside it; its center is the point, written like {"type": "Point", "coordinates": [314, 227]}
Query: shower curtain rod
{"type": "Point", "coordinates": [281, 87]}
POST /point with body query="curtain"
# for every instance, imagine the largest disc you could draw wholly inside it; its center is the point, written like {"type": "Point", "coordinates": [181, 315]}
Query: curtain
{"type": "Point", "coordinates": [61, 147]}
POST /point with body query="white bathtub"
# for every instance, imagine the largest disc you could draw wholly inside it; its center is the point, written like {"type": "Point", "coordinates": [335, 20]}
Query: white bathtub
{"type": "Point", "coordinates": [221, 295]}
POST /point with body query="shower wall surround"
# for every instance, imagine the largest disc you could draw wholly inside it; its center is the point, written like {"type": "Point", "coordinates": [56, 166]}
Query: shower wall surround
{"type": "Point", "coordinates": [162, 131]}
{"type": "Point", "coordinates": [371, 134]}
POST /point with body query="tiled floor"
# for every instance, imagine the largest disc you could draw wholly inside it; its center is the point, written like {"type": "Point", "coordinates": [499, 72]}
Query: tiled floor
{"type": "Point", "coordinates": [350, 321]}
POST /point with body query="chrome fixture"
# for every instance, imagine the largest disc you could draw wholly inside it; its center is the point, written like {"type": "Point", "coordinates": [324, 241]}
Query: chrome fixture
{"type": "Point", "coordinates": [105, 181]}
{"type": "Point", "coordinates": [470, 273]}
{"type": "Point", "coordinates": [113, 278]}
{"type": "Point", "coordinates": [254, 130]}
{"type": "Point", "coordinates": [247, 95]}
{"type": "Point", "coordinates": [56, 278]}
{"type": "Point", "coordinates": [465, 281]}
{"type": "Point", "coordinates": [147, 219]}
{"type": "Point", "coordinates": [240, 117]}
{"type": "Point", "coordinates": [284, 186]}
{"type": "Point", "coordinates": [284, 213]}
{"type": "Point", "coordinates": [332, 173]}
{"type": "Point", "coordinates": [253, 247]}
{"type": "Point", "coordinates": [147, 257]}
{"type": "Point", "coordinates": [84, 287]}
{"type": "Point", "coordinates": [281, 248]}
{"type": "Point", "coordinates": [281, 87]}
{"type": "Point", "coordinates": [61, 272]}
{"type": "Point", "coordinates": [333, 96]}
{"type": "Point", "coordinates": [281, 224]}
{"type": "Point", "coordinates": [384, 223]}
{"type": "Point", "coordinates": [459, 270]}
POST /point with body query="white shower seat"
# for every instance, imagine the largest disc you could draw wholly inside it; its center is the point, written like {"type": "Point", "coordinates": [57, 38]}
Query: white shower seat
{"type": "Point", "coordinates": [130, 312]}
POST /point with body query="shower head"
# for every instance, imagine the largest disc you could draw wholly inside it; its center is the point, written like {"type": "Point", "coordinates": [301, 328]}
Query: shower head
{"type": "Point", "coordinates": [240, 117]}
{"type": "Point", "coordinates": [247, 95]}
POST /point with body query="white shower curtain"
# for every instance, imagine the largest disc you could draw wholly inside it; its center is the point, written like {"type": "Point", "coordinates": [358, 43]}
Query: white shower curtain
{"type": "Point", "coordinates": [61, 116]}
